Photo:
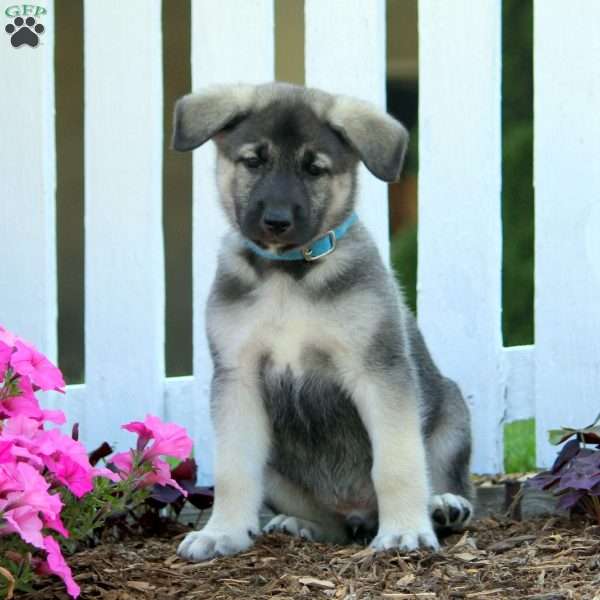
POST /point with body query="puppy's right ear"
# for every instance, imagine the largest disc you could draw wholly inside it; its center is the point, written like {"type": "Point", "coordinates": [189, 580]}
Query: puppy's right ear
{"type": "Point", "coordinates": [198, 117]}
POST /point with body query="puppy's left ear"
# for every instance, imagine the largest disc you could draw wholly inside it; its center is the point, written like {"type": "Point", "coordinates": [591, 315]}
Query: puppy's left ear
{"type": "Point", "coordinates": [379, 140]}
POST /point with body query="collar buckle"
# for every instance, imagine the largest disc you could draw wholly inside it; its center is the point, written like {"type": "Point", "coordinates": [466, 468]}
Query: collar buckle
{"type": "Point", "coordinates": [308, 255]}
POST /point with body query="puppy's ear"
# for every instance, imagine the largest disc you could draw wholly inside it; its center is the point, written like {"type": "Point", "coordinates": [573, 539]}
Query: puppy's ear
{"type": "Point", "coordinates": [379, 140]}
{"type": "Point", "coordinates": [198, 117]}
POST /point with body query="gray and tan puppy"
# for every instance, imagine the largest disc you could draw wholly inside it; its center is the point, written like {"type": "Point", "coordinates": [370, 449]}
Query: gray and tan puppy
{"type": "Point", "coordinates": [325, 401]}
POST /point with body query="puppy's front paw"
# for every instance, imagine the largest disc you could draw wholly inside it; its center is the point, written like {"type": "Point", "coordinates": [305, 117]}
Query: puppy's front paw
{"type": "Point", "coordinates": [406, 540]}
{"type": "Point", "coordinates": [205, 544]}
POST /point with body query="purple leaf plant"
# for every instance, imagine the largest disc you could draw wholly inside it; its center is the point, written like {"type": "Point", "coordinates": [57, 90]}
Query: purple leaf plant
{"type": "Point", "coordinates": [575, 475]}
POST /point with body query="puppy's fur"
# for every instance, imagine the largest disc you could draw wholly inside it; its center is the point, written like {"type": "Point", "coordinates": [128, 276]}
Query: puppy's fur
{"type": "Point", "coordinates": [326, 403]}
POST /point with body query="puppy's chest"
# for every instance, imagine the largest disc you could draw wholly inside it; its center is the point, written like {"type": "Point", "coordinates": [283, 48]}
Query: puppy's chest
{"type": "Point", "coordinates": [294, 332]}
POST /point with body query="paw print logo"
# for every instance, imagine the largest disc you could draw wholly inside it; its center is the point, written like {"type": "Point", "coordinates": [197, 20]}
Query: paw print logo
{"type": "Point", "coordinates": [24, 31]}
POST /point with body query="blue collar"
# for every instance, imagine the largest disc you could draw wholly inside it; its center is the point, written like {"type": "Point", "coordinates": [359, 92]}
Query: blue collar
{"type": "Point", "coordinates": [322, 247]}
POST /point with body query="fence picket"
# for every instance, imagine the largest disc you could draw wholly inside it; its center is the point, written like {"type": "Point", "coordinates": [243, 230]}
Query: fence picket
{"type": "Point", "coordinates": [221, 53]}
{"type": "Point", "coordinates": [459, 291]}
{"type": "Point", "coordinates": [557, 380]}
{"type": "Point", "coordinates": [28, 301]}
{"type": "Point", "coordinates": [124, 263]}
{"type": "Point", "coordinates": [345, 54]}
{"type": "Point", "coordinates": [519, 364]}
{"type": "Point", "coordinates": [567, 217]}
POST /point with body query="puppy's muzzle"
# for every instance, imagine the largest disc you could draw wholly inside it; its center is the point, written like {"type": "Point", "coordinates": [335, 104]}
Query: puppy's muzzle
{"type": "Point", "coordinates": [276, 222]}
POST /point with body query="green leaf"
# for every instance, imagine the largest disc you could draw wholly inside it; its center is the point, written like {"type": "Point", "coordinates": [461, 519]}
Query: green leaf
{"type": "Point", "coordinates": [587, 435]}
{"type": "Point", "coordinates": [558, 436]}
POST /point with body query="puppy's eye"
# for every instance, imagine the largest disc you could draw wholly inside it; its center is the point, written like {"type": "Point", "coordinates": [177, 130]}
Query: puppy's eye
{"type": "Point", "coordinates": [315, 170]}
{"type": "Point", "coordinates": [252, 162]}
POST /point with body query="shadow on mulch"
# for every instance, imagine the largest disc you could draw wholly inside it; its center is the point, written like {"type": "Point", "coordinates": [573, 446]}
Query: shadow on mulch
{"type": "Point", "coordinates": [542, 559]}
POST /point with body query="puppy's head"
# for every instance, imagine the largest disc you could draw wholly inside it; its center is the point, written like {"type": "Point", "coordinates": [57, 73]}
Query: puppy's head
{"type": "Point", "coordinates": [287, 155]}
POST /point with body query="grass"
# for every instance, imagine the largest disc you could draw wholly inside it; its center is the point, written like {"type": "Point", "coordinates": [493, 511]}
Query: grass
{"type": "Point", "coordinates": [519, 446]}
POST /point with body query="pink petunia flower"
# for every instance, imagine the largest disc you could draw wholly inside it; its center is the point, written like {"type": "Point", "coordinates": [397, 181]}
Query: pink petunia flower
{"type": "Point", "coordinates": [21, 426]}
{"type": "Point", "coordinates": [64, 457]}
{"type": "Point", "coordinates": [124, 463]}
{"type": "Point", "coordinates": [11, 453]}
{"type": "Point", "coordinates": [24, 521]}
{"type": "Point", "coordinates": [28, 362]}
{"type": "Point", "coordinates": [159, 471]}
{"type": "Point", "coordinates": [71, 474]}
{"type": "Point", "coordinates": [106, 473]}
{"type": "Point", "coordinates": [56, 564]}
{"type": "Point", "coordinates": [169, 439]}
{"type": "Point", "coordinates": [26, 404]}
{"type": "Point", "coordinates": [26, 504]}
{"type": "Point", "coordinates": [6, 454]}
{"type": "Point", "coordinates": [5, 354]}
{"type": "Point", "coordinates": [22, 485]}
{"type": "Point", "coordinates": [57, 525]}
{"type": "Point", "coordinates": [161, 475]}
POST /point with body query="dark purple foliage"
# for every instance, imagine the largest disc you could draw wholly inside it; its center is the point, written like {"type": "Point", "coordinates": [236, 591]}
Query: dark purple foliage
{"type": "Point", "coordinates": [163, 495]}
{"type": "Point", "coordinates": [575, 474]}
{"type": "Point", "coordinates": [185, 474]}
{"type": "Point", "coordinates": [102, 451]}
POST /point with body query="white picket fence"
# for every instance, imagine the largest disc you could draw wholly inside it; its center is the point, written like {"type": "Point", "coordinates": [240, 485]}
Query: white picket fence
{"type": "Point", "coordinates": [557, 380]}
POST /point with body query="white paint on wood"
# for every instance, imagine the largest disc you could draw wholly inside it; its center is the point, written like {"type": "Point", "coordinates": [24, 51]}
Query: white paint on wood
{"type": "Point", "coordinates": [231, 42]}
{"type": "Point", "coordinates": [179, 404]}
{"type": "Point", "coordinates": [520, 383]}
{"type": "Point", "coordinates": [75, 404]}
{"type": "Point", "coordinates": [459, 238]}
{"type": "Point", "coordinates": [567, 217]}
{"type": "Point", "coordinates": [124, 263]}
{"type": "Point", "coordinates": [345, 54]}
{"type": "Point", "coordinates": [28, 302]}
{"type": "Point", "coordinates": [459, 292]}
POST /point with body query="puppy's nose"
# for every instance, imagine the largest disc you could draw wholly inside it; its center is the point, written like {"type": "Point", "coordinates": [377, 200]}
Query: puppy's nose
{"type": "Point", "coordinates": [276, 221]}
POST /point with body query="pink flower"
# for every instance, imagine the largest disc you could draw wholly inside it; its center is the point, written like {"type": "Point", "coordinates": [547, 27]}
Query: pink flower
{"type": "Point", "coordinates": [67, 459]}
{"type": "Point", "coordinates": [151, 471]}
{"type": "Point", "coordinates": [26, 404]}
{"type": "Point", "coordinates": [56, 564]}
{"type": "Point", "coordinates": [28, 362]}
{"type": "Point", "coordinates": [106, 473]}
{"type": "Point", "coordinates": [26, 522]}
{"type": "Point", "coordinates": [64, 457]}
{"type": "Point", "coordinates": [25, 504]}
{"type": "Point", "coordinates": [169, 439]}
{"type": "Point", "coordinates": [5, 353]}
{"type": "Point", "coordinates": [22, 426]}
{"type": "Point", "coordinates": [73, 475]}
{"type": "Point", "coordinates": [10, 453]}
{"type": "Point", "coordinates": [57, 525]}
{"type": "Point", "coordinates": [124, 463]}
{"type": "Point", "coordinates": [6, 454]}
{"type": "Point", "coordinates": [161, 475]}
{"type": "Point", "coordinates": [22, 485]}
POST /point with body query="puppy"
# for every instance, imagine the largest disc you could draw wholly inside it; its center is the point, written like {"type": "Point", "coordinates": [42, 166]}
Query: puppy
{"type": "Point", "coordinates": [325, 401]}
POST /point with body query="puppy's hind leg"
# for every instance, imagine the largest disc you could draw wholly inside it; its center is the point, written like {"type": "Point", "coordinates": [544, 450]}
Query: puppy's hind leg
{"type": "Point", "coordinates": [449, 453]}
{"type": "Point", "coordinates": [298, 513]}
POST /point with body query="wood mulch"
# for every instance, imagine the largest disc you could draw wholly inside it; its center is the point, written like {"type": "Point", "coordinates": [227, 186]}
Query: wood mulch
{"type": "Point", "coordinates": [545, 558]}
